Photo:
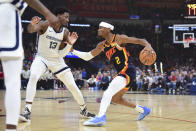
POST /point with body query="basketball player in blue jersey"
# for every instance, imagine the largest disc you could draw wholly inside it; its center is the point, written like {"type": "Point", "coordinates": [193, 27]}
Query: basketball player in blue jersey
{"type": "Point", "coordinates": [114, 48]}
{"type": "Point", "coordinates": [11, 51]}
{"type": "Point", "coordinates": [52, 47]}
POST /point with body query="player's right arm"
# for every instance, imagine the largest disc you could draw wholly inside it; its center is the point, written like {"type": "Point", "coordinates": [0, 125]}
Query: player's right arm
{"type": "Point", "coordinates": [91, 54]}
{"type": "Point", "coordinates": [37, 25]}
{"type": "Point", "coordinates": [38, 6]}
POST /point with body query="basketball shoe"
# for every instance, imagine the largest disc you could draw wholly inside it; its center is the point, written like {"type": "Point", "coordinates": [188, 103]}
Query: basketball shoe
{"type": "Point", "coordinates": [86, 113]}
{"type": "Point", "coordinates": [97, 121]}
{"type": "Point", "coordinates": [147, 111]}
{"type": "Point", "coordinates": [25, 116]}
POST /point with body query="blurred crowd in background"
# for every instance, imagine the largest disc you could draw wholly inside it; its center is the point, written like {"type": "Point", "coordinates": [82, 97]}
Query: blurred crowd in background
{"type": "Point", "coordinates": [179, 64]}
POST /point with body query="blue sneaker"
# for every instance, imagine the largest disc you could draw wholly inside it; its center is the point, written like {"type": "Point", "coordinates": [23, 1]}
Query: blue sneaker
{"type": "Point", "coordinates": [97, 121]}
{"type": "Point", "coordinates": [141, 116]}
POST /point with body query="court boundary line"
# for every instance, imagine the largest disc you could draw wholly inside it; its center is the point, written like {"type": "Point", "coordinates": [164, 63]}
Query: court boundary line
{"type": "Point", "coordinates": [167, 118]}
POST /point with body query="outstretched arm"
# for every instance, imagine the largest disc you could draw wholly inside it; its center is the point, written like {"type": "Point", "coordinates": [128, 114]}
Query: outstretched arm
{"type": "Point", "coordinates": [37, 25]}
{"type": "Point", "coordinates": [38, 6]}
{"type": "Point", "coordinates": [91, 54]}
{"type": "Point", "coordinates": [122, 39]}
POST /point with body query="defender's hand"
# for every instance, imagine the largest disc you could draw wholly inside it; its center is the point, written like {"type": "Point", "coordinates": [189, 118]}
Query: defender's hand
{"type": "Point", "coordinates": [72, 38]}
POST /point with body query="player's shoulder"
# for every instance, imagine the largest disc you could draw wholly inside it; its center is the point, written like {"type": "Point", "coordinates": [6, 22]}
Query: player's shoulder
{"type": "Point", "coordinates": [120, 36]}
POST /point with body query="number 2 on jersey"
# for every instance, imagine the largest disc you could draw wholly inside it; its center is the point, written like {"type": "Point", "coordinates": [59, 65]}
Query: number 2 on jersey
{"type": "Point", "coordinates": [53, 45]}
{"type": "Point", "coordinates": [117, 60]}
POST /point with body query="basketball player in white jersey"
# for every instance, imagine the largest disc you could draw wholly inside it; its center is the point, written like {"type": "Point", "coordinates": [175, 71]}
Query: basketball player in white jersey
{"type": "Point", "coordinates": [11, 51]}
{"type": "Point", "coordinates": [52, 47]}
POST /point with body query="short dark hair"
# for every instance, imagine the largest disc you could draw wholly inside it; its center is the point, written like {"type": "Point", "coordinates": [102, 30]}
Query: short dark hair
{"type": "Point", "coordinates": [61, 10]}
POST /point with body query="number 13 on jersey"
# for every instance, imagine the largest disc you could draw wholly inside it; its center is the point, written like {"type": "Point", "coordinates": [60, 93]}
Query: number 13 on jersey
{"type": "Point", "coordinates": [53, 45]}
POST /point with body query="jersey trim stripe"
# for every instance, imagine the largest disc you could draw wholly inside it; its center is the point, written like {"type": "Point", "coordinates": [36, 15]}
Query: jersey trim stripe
{"type": "Point", "coordinates": [45, 64]}
{"type": "Point", "coordinates": [118, 47]}
{"type": "Point", "coordinates": [14, 2]}
{"type": "Point", "coordinates": [107, 45]}
{"type": "Point", "coordinates": [17, 37]}
{"type": "Point", "coordinates": [19, 4]}
{"type": "Point", "coordinates": [60, 70]}
{"type": "Point", "coordinates": [126, 66]}
{"type": "Point", "coordinates": [37, 42]}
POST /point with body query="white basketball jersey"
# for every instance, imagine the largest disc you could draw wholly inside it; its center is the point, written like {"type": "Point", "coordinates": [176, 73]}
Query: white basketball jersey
{"type": "Point", "coordinates": [19, 4]}
{"type": "Point", "coordinates": [49, 42]}
{"type": "Point", "coordinates": [10, 31]}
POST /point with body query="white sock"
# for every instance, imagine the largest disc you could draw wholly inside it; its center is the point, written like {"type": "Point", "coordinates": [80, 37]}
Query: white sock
{"type": "Point", "coordinates": [117, 84]}
{"type": "Point", "coordinates": [10, 130]}
{"type": "Point", "coordinates": [82, 107]}
{"type": "Point", "coordinates": [28, 106]}
{"type": "Point", "coordinates": [139, 109]}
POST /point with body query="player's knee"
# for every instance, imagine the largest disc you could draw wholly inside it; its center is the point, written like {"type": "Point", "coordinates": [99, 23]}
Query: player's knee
{"type": "Point", "coordinates": [34, 77]}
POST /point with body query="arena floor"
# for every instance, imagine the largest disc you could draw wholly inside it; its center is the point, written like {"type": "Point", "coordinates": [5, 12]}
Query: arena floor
{"type": "Point", "coordinates": [57, 111]}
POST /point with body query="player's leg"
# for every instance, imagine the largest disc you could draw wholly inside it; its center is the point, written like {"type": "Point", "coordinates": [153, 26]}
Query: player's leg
{"type": "Point", "coordinates": [67, 78]}
{"type": "Point", "coordinates": [12, 70]}
{"type": "Point", "coordinates": [117, 84]}
{"type": "Point", "coordinates": [118, 99]}
{"type": "Point", "coordinates": [38, 67]}
{"type": "Point", "coordinates": [115, 87]}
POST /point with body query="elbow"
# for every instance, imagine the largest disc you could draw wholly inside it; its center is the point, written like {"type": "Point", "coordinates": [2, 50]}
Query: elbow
{"type": "Point", "coordinates": [143, 40]}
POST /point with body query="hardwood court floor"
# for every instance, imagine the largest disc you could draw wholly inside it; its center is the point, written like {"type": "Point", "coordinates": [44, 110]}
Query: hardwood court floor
{"type": "Point", "coordinates": [57, 111]}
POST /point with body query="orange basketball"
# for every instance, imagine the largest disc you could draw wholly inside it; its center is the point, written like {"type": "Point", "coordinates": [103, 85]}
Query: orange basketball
{"type": "Point", "coordinates": [147, 57]}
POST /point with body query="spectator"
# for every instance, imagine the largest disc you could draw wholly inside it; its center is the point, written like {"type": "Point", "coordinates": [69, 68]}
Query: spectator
{"type": "Point", "coordinates": [172, 83]}
{"type": "Point", "coordinates": [159, 86]}
{"type": "Point", "coordinates": [91, 82]}
{"type": "Point", "coordinates": [99, 79]}
{"type": "Point", "coordinates": [84, 74]}
{"type": "Point", "coordinates": [105, 81]}
{"type": "Point", "coordinates": [25, 76]}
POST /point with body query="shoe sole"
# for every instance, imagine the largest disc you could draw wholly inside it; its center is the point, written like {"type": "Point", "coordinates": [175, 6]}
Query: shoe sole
{"type": "Point", "coordinates": [23, 119]}
{"type": "Point", "coordinates": [85, 117]}
{"type": "Point", "coordinates": [95, 125]}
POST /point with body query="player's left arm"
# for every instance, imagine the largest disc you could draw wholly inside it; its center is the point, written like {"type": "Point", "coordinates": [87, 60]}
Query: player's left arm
{"type": "Point", "coordinates": [124, 39]}
{"type": "Point", "coordinates": [67, 45]}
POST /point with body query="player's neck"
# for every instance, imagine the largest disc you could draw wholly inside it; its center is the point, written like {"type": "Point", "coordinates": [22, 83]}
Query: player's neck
{"type": "Point", "coordinates": [109, 37]}
{"type": "Point", "coordinates": [59, 30]}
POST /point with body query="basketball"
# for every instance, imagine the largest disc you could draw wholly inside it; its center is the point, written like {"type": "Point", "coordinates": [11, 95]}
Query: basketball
{"type": "Point", "coordinates": [147, 57]}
